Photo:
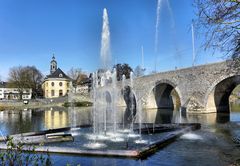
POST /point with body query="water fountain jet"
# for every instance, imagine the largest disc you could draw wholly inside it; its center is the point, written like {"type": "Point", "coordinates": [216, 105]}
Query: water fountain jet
{"type": "Point", "coordinates": [105, 42]}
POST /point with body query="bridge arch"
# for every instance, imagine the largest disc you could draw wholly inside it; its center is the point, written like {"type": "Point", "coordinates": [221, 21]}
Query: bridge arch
{"type": "Point", "coordinates": [217, 96]}
{"type": "Point", "coordinates": [164, 94]}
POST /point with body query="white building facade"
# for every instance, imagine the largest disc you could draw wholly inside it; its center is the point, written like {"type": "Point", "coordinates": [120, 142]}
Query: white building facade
{"type": "Point", "coordinates": [14, 93]}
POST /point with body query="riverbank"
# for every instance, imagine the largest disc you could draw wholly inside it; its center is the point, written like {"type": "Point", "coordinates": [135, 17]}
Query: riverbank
{"type": "Point", "coordinates": [29, 106]}
{"type": "Point", "coordinates": [78, 104]}
{"type": "Point", "coordinates": [76, 101]}
{"type": "Point", "coordinates": [32, 104]}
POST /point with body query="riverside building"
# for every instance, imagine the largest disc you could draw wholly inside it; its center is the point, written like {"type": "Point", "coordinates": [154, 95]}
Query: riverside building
{"type": "Point", "coordinates": [14, 93]}
{"type": "Point", "coordinates": [57, 83]}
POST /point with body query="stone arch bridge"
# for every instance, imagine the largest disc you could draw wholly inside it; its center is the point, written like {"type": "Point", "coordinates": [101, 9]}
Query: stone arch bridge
{"type": "Point", "coordinates": [199, 89]}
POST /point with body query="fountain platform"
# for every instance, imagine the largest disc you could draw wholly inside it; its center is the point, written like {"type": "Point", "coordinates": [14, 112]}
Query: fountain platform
{"type": "Point", "coordinates": [137, 152]}
{"type": "Point", "coordinates": [45, 136]}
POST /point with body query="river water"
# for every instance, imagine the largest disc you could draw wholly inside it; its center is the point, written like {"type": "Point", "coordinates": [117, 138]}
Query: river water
{"type": "Point", "coordinates": [211, 145]}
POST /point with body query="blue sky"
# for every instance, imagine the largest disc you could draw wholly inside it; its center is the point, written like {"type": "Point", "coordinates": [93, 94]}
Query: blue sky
{"type": "Point", "coordinates": [31, 31]}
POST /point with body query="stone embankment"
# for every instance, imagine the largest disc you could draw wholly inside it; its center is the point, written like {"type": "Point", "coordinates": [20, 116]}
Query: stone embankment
{"type": "Point", "coordinates": [43, 103]}
{"type": "Point", "coordinates": [78, 97]}
{"type": "Point", "coordinates": [35, 103]}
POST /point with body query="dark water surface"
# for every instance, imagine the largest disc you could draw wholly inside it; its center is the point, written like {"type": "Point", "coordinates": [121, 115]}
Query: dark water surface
{"type": "Point", "coordinates": [211, 145]}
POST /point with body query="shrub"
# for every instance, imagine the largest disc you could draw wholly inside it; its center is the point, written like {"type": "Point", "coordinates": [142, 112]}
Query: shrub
{"type": "Point", "coordinates": [15, 155]}
{"type": "Point", "coordinates": [77, 104]}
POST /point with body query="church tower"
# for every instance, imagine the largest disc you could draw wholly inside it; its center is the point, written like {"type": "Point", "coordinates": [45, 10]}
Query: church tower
{"type": "Point", "coordinates": [53, 65]}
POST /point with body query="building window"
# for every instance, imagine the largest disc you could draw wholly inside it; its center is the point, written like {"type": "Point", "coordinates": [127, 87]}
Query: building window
{"type": "Point", "coordinates": [52, 83]}
{"type": "Point", "coordinates": [60, 75]}
{"type": "Point", "coordinates": [52, 93]}
{"type": "Point", "coordinates": [60, 83]}
{"type": "Point", "coordinates": [60, 92]}
{"type": "Point", "coordinates": [67, 84]}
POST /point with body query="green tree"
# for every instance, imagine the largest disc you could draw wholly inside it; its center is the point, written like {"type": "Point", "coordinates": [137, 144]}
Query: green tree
{"type": "Point", "coordinates": [122, 69]}
{"type": "Point", "coordinates": [219, 20]}
{"type": "Point", "coordinates": [25, 77]}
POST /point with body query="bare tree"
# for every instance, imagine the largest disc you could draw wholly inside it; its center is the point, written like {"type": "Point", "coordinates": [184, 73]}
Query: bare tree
{"type": "Point", "coordinates": [139, 71]}
{"type": "Point", "coordinates": [73, 73]}
{"type": "Point", "coordinates": [35, 78]}
{"type": "Point", "coordinates": [77, 76]}
{"type": "Point", "coordinates": [25, 77]}
{"type": "Point", "coordinates": [81, 78]}
{"type": "Point", "coordinates": [220, 22]}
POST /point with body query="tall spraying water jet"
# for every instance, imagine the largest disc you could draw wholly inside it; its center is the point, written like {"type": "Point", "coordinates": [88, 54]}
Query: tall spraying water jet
{"type": "Point", "coordinates": [157, 32]}
{"type": "Point", "coordinates": [173, 26]}
{"type": "Point", "coordinates": [174, 33]}
{"type": "Point", "coordinates": [106, 95]}
{"type": "Point", "coordinates": [132, 102]}
{"type": "Point", "coordinates": [142, 58]}
{"type": "Point", "coordinates": [105, 42]}
{"type": "Point", "coordinates": [123, 88]}
{"type": "Point", "coordinates": [94, 97]}
{"type": "Point", "coordinates": [157, 25]}
{"type": "Point", "coordinates": [139, 106]}
{"type": "Point", "coordinates": [103, 95]}
{"type": "Point", "coordinates": [193, 44]}
{"type": "Point", "coordinates": [114, 100]}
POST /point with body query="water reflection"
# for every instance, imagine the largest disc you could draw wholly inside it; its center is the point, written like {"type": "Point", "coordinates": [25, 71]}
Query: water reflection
{"type": "Point", "coordinates": [79, 116]}
{"type": "Point", "coordinates": [55, 118]}
{"type": "Point", "coordinates": [12, 122]}
{"type": "Point", "coordinates": [164, 116]}
{"type": "Point", "coordinates": [175, 116]}
{"type": "Point", "coordinates": [15, 121]}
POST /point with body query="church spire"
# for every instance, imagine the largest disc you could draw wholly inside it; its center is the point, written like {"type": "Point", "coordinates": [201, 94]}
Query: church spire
{"type": "Point", "coordinates": [53, 65]}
